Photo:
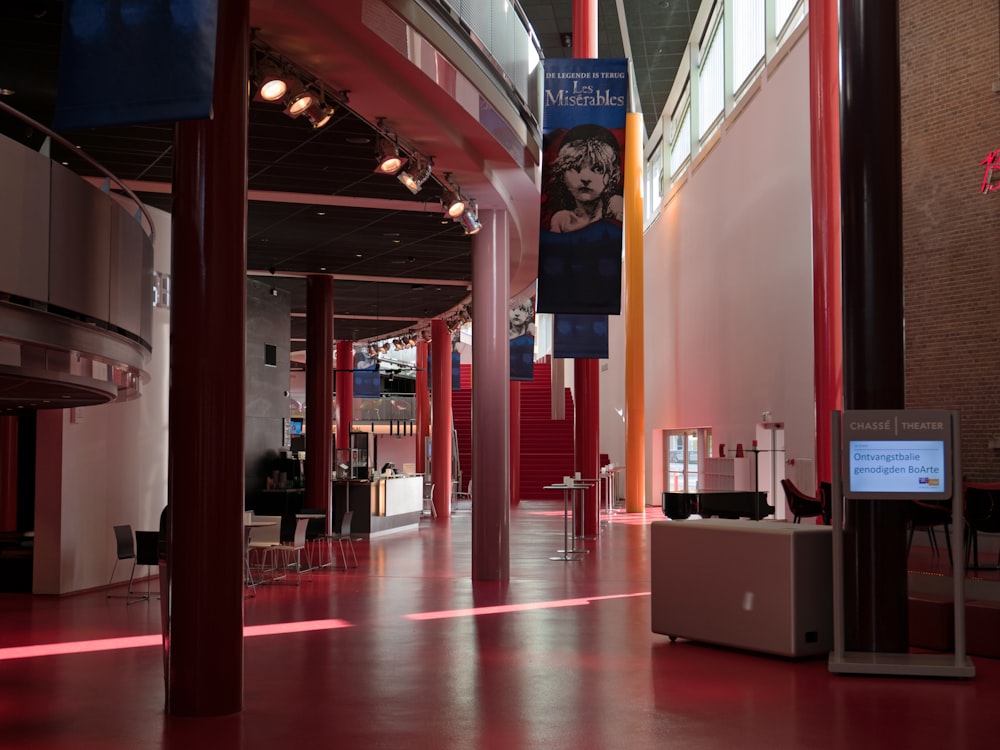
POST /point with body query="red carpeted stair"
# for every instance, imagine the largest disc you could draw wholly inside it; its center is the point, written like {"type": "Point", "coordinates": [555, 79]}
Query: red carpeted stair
{"type": "Point", "coordinates": [546, 444]}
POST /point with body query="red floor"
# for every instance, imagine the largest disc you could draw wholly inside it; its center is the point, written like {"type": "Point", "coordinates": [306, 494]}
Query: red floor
{"type": "Point", "coordinates": [575, 667]}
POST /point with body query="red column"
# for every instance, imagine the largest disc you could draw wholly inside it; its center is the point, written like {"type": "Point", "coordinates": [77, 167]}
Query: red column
{"type": "Point", "coordinates": [422, 407]}
{"type": "Point", "coordinates": [319, 392]}
{"type": "Point", "coordinates": [584, 28]}
{"type": "Point", "coordinates": [490, 391]}
{"type": "Point", "coordinates": [515, 442]}
{"type": "Point", "coordinates": [8, 473]}
{"type": "Point", "coordinates": [586, 372]}
{"type": "Point", "coordinates": [345, 393]}
{"type": "Point", "coordinates": [204, 632]}
{"type": "Point", "coordinates": [824, 118]}
{"type": "Point", "coordinates": [586, 377]}
{"type": "Point", "coordinates": [441, 419]}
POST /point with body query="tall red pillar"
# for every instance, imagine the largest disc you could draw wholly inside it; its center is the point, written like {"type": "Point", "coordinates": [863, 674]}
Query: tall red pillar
{"type": "Point", "coordinates": [824, 95]}
{"type": "Point", "coordinates": [515, 442]}
{"type": "Point", "coordinates": [587, 372]}
{"type": "Point", "coordinates": [319, 392]}
{"type": "Point", "coordinates": [422, 408]}
{"type": "Point", "coordinates": [441, 417]}
{"type": "Point", "coordinates": [8, 473]}
{"type": "Point", "coordinates": [490, 393]}
{"type": "Point", "coordinates": [204, 629]}
{"type": "Point", "coordinates": [345, 393]}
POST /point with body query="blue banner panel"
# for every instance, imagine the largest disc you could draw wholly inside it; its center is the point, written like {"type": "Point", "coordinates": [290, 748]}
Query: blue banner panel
{"type": "Point", "coordinates": [366, 375]}
{"type": "Point", "coordinates": [582, 207]}
{"type": "Point", "coordinates": [124, 62]}
{"type": "Point", "coordinates": [580, 337]}
{"type": "Point", "coordinates": [522, 340]}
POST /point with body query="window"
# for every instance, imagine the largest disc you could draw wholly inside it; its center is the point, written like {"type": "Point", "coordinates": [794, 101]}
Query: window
{"type": "Point", "coordinates": [711, 81]}
{"type": "Point", "coordinates": [782, 12]}
{"type": "Point", "coordinates": [748, 39]}
{"type": "Point", "coordinates": [680, 146]}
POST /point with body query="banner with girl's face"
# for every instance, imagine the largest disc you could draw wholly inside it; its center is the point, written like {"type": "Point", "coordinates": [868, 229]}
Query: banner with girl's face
{"type": "Point", "coordinates": [580, 244]}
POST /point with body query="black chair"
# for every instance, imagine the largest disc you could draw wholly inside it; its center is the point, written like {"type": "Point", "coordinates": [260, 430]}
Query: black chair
{"type": "Point", "coordinates": [926, 515]}
{"type": "Point", "coordinates": [800, 504]}
{"type": "Point", "coordinates": [982, 514]}
{"type": "Point", "coordinates": [125, 547]}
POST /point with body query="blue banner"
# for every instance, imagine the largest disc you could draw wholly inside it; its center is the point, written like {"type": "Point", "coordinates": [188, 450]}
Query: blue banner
{"type": "Point", "coordinates": [580, 337]}
{"type": "Point", "coordinates": [582, 207]}
{"type": "Point", "coordinates": [522, 340]}
{"type": "Point", "coordinates": [124, 62]}
{"type": "Point", "coordinates": [367, 381]}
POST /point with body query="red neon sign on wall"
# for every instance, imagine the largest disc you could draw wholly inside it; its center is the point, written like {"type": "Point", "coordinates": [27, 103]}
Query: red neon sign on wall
{"type": "Point", "coordinates": [991, 162]}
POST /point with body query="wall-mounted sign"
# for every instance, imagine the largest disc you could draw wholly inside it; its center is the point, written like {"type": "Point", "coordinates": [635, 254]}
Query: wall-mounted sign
{"type": "Point", "coordinates": [897, 455]}
{"type": "Point", "coordinates": [990, 163]}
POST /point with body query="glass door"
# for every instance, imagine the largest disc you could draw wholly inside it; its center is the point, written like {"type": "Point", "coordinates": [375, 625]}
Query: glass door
{"type": "Point", "coordinates": [684, 450]}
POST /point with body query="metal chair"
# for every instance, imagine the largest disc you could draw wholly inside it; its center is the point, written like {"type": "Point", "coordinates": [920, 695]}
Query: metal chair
{"type": "Point", "coordinates": [293, 548]}
{"type": "Point", "coordinates": [345, 536]}
{"type": "Point", "coordinates": [125, 550]}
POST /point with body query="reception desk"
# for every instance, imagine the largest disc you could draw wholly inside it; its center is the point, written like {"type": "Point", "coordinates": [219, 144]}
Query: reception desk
{"type": "Point", "coordinates": [382, 506]}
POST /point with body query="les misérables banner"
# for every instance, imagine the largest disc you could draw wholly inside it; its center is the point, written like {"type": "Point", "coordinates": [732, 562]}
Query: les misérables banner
{"type": "Point", "coordinates": [580, 242]}
{"type": "Point", "coordinates": [123, 63]}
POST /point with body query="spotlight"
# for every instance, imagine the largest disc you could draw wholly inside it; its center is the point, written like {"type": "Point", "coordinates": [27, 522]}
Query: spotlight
{"type": "Point", "coordinates": [319, 114]}
{"type": "Point", "coordinates": [298, 100]}
{"type": "Point", "coordinates": [271, 84]}
{"type": "Point", "coordinates": [470, 220]}
{"type": "Point", "coordinates": [387, 156]}
{"type": "Point", "coordinates": [416, 173]}
{"type": "Point", "coordinates": [452, 203]}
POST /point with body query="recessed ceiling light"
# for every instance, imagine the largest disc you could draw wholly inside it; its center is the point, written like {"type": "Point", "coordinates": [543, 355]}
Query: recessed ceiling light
{"type": "Point", "coordinates": [321, 213]}
{"type": "Point", "coordinates": [358, 139]}
{"type": "Point", "coordinates": [357, 255]}
{"type": "Point", "coordinates": [4, 91]}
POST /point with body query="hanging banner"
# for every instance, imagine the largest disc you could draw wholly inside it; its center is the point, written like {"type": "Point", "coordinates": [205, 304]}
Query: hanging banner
{"type": "Point", "coordinates": [580, 242]}
{"type": "Point", "coordinates": [522, 340]}
{"type": "Point", "coordinates": [580, 337]}
{"type": "Point", "coordinates": [122, 63]}
{"type": "Point", "coordinates": [366, 374]}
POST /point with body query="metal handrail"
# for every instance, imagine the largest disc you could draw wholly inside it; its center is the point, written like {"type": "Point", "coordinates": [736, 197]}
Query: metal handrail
{"type": "Point", "coordinates": [86, 157]}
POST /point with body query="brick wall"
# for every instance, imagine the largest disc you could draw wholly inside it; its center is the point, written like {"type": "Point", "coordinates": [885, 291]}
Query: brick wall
{"type": "Point", "coordinates": [950, 116]}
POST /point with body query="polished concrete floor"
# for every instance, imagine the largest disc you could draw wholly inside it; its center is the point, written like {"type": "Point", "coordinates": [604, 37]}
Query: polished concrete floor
{"type": "Point", "coordinates": [407, 652]}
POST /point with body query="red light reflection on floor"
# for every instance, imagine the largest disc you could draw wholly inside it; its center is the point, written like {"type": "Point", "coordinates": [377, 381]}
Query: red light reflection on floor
{"type": "Point", "coordinates": [142, 641]}
{"type": "Point", "coordinates": [527, 606]}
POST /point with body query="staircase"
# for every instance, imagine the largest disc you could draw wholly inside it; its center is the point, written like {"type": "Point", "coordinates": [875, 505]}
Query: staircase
{"type": "Point", "coordinates": [546, 444]}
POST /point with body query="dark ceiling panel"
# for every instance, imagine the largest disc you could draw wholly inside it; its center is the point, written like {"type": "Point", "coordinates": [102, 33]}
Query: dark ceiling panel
{"type": "Point", "coordinates": [330, 165]}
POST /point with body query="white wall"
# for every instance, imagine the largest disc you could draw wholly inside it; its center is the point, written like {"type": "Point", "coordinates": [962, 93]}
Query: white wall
{"type": "Point", "coordinates": [728, 283]}
{"type": "Point", "coordinates": [113, 469]}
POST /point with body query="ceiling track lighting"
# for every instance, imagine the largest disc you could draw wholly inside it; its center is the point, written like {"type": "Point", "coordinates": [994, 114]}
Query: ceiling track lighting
{"type": "Point", "coordinates": [470, 219]}
{"type": "Point", "coordinates": [452, 201]}
{"type": "Point", "coordinates": [416, 173]}
{"type": "Point", "coordinates": [319, 114]}
{"type": "Point", "coordinates": [277, 80]}
{"type": "Point", "coordinates": [387, 156]}
{"type": "Point", "coordinates": [270, 82]}
{"type": "Point", "coordinates": [298, 99]}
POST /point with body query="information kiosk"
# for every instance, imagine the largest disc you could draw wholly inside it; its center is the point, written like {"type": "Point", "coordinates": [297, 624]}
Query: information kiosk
{"type": "Point", "coordinates": [897, 455]}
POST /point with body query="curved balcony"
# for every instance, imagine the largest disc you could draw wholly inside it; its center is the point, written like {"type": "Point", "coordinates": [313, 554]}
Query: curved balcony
{"type": "Point", "coordinates": [76, 288]}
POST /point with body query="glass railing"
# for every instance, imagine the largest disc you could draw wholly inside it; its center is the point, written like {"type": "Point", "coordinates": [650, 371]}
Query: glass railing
{"type": "Point", "coordinates": [396, 411]}
{"type": "Point", "coordinates": [500, 29]}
